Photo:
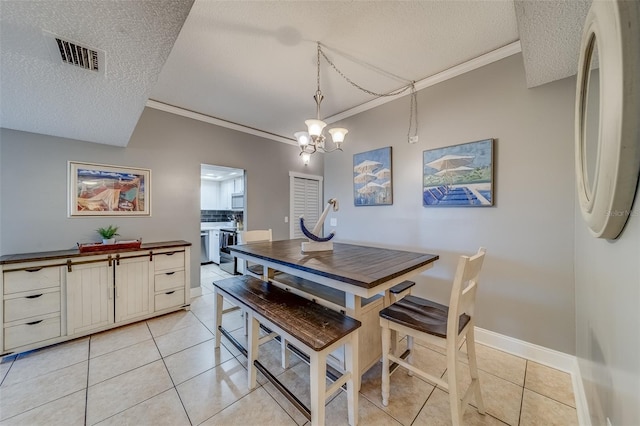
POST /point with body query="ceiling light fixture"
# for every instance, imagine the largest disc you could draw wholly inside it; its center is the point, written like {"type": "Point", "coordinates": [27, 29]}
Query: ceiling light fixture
{"type": "Point", "coordinates": [313, 139]}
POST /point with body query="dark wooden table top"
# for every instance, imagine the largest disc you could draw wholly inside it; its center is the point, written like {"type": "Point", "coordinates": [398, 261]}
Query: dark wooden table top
{"type": "Point", "coordinates": [353, 264]}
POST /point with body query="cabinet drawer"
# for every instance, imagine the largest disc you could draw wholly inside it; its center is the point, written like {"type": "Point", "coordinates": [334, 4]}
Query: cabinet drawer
{"type": "Point", "coordinates": [169, 299]}
{"type": "Point", "coordinates": [169, 280]}
{"type": "Point", "coordinates": [171, 260]}
{"type": "Point", "coordinates": [32, 279]}
{"type": "Point", "coordinates": [26, 334]}
{"type": "Point", "coordinates": [31, 306]}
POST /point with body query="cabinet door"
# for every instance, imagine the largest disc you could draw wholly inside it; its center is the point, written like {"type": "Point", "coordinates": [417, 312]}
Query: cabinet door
{"type": "Point", "coordinates": [133, 293]}
{"type": "Point", "coordinates": [89, 297]}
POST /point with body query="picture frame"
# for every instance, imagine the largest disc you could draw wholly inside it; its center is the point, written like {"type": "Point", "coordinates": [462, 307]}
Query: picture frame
{"type": "Point", "coordinates": [106, 190]}
{"type": "Point", "coordinates": [373, 178]}
{"type": "Point", "coordinates": [459, 175]}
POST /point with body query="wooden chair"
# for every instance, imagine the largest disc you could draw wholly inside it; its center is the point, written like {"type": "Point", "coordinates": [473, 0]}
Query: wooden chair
{"type": "Point", "coordinates": [252, 237]}
{"type": "Point", "coordinates": [444, 326]}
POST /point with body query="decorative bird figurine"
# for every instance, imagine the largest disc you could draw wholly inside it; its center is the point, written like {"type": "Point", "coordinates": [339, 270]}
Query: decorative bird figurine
{"type": "Point", "coordinates": [317, 243]}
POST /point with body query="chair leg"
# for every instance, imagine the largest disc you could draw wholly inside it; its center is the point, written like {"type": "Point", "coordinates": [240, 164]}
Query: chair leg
{"type": "Point", "coordinates": [284, 353]}
{"type": "Point", "coordinates": [253, 348]}
{"type": "Point", "coordinates": [410, 356]}
{"type": "Point", "coordinates": [452, 379]}
{"type": "Point", "coordinates": [386, 347]}
{"type": "Point", "coordinates": [217, 312]}
{"type": "Point", "coordinates": [318, 372]}
{"type": "Point", "coordinates": [473, 368]}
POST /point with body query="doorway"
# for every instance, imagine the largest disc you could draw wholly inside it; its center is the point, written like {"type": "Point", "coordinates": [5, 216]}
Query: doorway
{"type": "Point", "coordinates": [222, 212]}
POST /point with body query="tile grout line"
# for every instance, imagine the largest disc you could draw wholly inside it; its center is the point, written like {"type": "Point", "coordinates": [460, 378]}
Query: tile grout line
{"type": "Point", "coordinates": [168, 373]}
{"type": "Point", "coordinates": [86, 389]}
{"type": "Point", "coordinates": [524, 382]}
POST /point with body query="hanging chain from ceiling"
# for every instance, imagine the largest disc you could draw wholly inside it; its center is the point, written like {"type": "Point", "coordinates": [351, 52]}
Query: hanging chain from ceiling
{"type": "Point", "coordinates": [413, 111]}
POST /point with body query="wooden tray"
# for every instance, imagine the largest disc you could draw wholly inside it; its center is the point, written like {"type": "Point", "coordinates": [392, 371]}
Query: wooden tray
{"type": "Point", "coordinates": [89, 247]}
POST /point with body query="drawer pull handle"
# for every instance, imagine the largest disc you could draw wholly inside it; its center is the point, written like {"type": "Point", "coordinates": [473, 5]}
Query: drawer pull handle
{"type": "Point", "coordinates": [34, 322]}
{"type": "Point", "coordinates": [170, 292]}
{"type": "Point", "coordinates": [170, 273]}
{"type": "Point", "coordinates": [35, 296]}
{"type": "Point", "coordinates": [171, 254]}
{"type": "Point", "coordinates": [33, 269]}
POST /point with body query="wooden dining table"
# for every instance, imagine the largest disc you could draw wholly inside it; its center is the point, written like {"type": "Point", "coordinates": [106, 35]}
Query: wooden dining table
{"type": "Point", "coordinates": [351, 278]}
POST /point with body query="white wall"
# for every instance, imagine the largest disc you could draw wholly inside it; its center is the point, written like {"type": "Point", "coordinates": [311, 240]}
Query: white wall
{"type": "Point", "coordinates": [608, 320]}
{"type": "Point", "coordinates": [527, 286]}
{"type": "Point", "coordinates": [33, 176]}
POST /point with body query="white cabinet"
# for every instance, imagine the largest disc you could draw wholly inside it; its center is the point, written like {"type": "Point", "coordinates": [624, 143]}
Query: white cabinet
{"type": "Point", "coordinates": [226, 189]}
{"type": "Point", "coordinates": [63, 297]}
{"type": "Point", "coordinates": [31, 305]}
{"type": "Point", "coordinates": [133, 292]}
{"type": "Point", "coordinates": [90, 296]}
{"type": "Point", "coordinates": [238, 185]}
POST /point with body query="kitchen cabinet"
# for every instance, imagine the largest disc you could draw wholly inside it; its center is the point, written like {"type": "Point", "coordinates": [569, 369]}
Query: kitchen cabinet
{"type": "Point", "coordinates": [56, 296]}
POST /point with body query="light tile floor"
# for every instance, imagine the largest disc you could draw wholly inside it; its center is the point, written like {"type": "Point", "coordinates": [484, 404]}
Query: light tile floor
{"type": "Point", "coordinates": [166, 371]}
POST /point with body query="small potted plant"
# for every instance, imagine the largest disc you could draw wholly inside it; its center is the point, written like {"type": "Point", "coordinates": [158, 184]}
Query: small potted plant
{"type": "Point", "coordinates": [108, 234]}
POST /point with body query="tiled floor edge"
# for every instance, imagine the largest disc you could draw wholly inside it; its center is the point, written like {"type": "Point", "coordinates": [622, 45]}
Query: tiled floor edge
{"type": "Point", "coordinates": [549, 357]}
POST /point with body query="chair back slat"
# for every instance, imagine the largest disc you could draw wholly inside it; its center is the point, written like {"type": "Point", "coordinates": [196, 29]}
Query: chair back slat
{"type": "Point", "coordinates": [256, 235]}
{"type": "Point", "coordinates": [465, 286]}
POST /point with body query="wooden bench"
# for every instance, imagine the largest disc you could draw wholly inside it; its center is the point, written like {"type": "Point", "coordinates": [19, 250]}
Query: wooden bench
{"type": "Point", "coordinates": [313, 329]}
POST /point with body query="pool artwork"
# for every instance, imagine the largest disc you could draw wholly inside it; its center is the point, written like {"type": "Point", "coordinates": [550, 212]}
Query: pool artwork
{"type": "Point", "coordinates": [372, 178]}
{"type": "Point", "coordinates": [459, 175]}
{"type": "Point", "coordinates": [101, 190]}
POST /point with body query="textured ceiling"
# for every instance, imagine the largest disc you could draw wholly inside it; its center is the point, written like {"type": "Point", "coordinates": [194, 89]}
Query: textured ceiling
{"type": "Point", "coordinates": [550, 37]}
{"type": "Point", "coordinates": [42, 95]}
{"type": "Point", "coordinates": [253, 63]}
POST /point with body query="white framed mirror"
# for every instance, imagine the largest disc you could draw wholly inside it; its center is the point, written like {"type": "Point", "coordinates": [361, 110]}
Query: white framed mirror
{"type": "Point", "coordinates": [607, 122]}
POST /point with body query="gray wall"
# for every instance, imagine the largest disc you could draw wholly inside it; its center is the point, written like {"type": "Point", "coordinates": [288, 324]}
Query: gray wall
{"type": "Point", "coordinates": [33, 176]}
{"type": "Point", "coordinates": [527, 285]}
{"type": "Point", "coordinates": [608, 320]}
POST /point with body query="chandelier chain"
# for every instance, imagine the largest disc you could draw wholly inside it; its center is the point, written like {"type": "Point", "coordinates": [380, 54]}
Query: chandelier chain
{"type": "Point", "coordinates": [354, 84]}
{"type": "Point", "coordinates": [413, 113]}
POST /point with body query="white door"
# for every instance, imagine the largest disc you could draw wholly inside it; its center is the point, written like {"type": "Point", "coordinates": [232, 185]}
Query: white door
{"type": "Point", "coordinates": [305, 194]}
{"type": "Point", "coordinates": [134, 295]}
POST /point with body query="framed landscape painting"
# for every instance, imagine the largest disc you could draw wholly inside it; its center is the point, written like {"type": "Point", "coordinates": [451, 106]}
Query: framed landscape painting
{"type": "Point", "coordinates": [459, 175]}
{"type": "Point", "coordinates": [372, 185]}
{"type": "Point", "coordinates": [103, 190]}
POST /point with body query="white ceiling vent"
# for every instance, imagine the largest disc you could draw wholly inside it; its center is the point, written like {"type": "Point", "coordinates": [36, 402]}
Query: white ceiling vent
{"type": "Point", "coordinates": [73, 53]}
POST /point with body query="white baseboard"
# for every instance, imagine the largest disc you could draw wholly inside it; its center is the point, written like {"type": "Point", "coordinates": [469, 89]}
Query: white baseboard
{"type": "Point", "coordinates": [541, 355]}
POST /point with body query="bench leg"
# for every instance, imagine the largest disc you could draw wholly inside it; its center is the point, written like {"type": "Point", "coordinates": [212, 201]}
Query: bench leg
{"type": "Point", "coordinates": [217, 312]}
{"type": "Point", "coordinates": [318, 371]}
{"type": "Point", "coordinates": [284, 352]}
{"type": "Point", "coordinates": [353, 384]}
{"type": "Point", "coordinates": [254, 346]}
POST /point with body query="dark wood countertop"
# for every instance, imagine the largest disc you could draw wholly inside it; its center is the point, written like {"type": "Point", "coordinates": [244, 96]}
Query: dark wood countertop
{"type": "Point", "coordinates": [64, 254]}
{"type": "Point", "coordinates": [358, 265]}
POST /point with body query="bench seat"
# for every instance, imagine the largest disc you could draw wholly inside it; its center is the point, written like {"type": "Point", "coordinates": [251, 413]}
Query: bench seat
{"type": "Point", "coordinates": [312, 328]}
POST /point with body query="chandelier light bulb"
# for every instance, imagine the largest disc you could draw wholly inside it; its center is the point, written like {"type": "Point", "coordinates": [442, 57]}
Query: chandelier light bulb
{"type": "Point", "coordinates": [306, 157]}
{"type": "Point", "coordinates": [315, 127]}
{"type": "Point", "coordinates": [302, 138]}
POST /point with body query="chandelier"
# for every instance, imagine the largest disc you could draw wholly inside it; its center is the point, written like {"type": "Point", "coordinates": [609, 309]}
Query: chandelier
{"type": "Point", "coordinates": [313, 140]}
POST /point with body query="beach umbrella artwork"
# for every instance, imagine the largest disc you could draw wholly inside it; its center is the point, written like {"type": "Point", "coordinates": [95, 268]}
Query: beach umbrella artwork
{"type": "Point", "coordinates": [365, 178]}
{"type": "Point", "coordinates": [383, 174]}
{"type": "Point", "coordinates": [370, 188]}
{"type": "Point", "coordinates": [454, 172]}
{"type": "Point", "coordinates": [367, 166]}
{"type": "Point", "coordinates": [451, 162]}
